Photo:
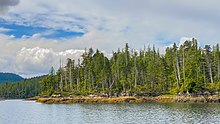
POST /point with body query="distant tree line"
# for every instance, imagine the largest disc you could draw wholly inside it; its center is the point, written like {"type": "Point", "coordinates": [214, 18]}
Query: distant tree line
{"type": "Point", "coordinates": [23, 89]}
{"type": "Point", "coordinates": [187, 68]}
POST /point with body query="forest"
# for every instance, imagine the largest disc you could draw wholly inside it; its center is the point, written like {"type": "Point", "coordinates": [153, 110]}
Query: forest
{"type": "Point", "coordinates": [187, 68]}
{"type": "Point", "coordinates": [23, 89]}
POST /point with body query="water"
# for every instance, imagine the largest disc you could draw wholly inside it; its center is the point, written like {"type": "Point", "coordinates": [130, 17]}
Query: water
{"type": "Point", "coordinates": [30, 112]}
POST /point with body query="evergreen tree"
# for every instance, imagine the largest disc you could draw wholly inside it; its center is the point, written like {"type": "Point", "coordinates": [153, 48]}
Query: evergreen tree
{"type": "Point", "coordinates": [181, 69]}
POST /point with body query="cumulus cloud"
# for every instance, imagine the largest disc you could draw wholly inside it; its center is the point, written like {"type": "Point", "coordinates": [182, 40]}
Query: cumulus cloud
{"type": "Point", "coordinates": [32, 56]}
{"type": "Point", "coordinates": [144, 22]}
{"type": "Point", "coordinates": [28, 61]}
{"type": "Point", "coordinates": [36, 61]}
{"type": "Point", "coordinates": [107, 25]}
{"type": "Point", "coordinates": [4, 4]}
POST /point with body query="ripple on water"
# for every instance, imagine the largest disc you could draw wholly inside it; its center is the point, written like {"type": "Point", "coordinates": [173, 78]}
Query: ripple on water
{"type": "Point", "coordinates": [29, 112]}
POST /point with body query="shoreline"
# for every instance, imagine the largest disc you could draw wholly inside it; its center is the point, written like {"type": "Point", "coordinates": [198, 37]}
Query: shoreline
{"type": "Point", "coordinates": [128, 99]}
{"type": "Point", "coordinates": [13, 99]}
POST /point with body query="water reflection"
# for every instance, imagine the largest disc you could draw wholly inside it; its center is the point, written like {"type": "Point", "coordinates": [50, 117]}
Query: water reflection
{"type": "Point", "coordinates": [29, 112]}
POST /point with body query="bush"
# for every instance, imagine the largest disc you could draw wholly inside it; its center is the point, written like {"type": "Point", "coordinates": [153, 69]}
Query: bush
{"type": "Point", "coordinates": [191, 87]}
{"type": "Point", "coordinates": [175, 90]}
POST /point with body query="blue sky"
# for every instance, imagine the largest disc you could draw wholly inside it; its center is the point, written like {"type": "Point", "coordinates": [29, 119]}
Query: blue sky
{"type": "Point", "coordinates": [28, 30]}
{"type": "Point", "coordinates": [34, 34]}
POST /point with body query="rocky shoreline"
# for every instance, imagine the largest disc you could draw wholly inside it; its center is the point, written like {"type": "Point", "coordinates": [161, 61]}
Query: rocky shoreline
{"type": "Point", "coordinates": [128, 99]}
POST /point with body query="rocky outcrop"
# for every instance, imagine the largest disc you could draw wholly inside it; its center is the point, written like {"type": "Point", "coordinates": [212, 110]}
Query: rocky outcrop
{"type": "Point", "coordinates": [129, 99]}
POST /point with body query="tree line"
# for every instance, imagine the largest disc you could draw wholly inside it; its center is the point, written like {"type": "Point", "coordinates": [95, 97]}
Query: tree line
{"type": "Point", "coordinates": [187, 68]}
{"type": "Point", "coordinates": [23, 89]}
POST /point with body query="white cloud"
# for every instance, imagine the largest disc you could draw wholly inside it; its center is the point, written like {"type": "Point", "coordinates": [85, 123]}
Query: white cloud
{"type": "Point", "coordinates": [25, 36]}
{"type": "Point", "coordinates": [31, 56]}
{"type": "Point", "coordinates": [32, 60]}
{"type": "Point", "coordinates": [107, 25]}
{"type": "Point", "coordinates": [2, 30]}
{"type": "Point", "coordinates": [131, 21]}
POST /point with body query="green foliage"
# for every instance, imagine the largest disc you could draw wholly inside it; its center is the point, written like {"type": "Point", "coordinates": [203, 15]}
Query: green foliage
{"type": "Point", "coordinates": [181, 69]}
{"type": "Point", "coordinates": [213, 87]}
{"type": "Point", "coordinates": [191, 87]}
{"type": "Point", "coordinates": [24, 89]}
{"type": "Point", "coordinates": [175, 90]}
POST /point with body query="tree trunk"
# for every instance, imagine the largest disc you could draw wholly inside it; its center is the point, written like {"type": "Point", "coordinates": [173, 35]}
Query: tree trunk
{"type": "Point", "coordinates": [135, 71]}
{"type": "Point", "coordinates": [204, 77]}
{"type": "Point", "coordinates": [218, 70]}
{"type": "Point", "coordinates": [103, 87]}
{"type": "Point", "coordinates": [61, 82]}
{"type": "Point", "coordinates": [92, 81]}
{"type": "Point", "coordinates": [178, 71]}
{"type": "Point", "coordinates": [84, 79]}
{"type": "Point", "coordinates": [142, 77]}
{"type": "Point", "coordinates": [70, 77]}
{"type": "Point", "coordinates": [184, 74]}
{"type": "Point", "coordinates": [210, 72]}
{"type": "Point", "coordinates": [65, 79]}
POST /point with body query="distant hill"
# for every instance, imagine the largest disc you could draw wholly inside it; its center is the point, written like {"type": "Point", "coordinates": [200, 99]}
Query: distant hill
{"type": "Point", "coordinates": [9, 77]}
{"type": "Point", "coordinates": [23, 89]}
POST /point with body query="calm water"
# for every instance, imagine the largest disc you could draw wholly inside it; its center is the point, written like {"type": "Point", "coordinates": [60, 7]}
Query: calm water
{"type": "Point", "coordinates": [29, 112]}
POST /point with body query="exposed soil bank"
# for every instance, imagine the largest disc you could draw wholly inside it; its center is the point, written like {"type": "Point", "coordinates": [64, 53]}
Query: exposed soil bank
{"type": "Point", "coordinates": [160, 99]}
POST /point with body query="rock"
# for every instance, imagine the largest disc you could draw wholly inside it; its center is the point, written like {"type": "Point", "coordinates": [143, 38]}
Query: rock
{"type": "Point", "coordinates": [46, 96]}
{"type": "Point", "coordinates": [207, 93]}
{"type": "Point", "coordinates": [104, 95]}
{"type": "Point", "coordinates": [93, 95]}
{"type": "Point", "coordinates": [56, 96]}
{"type": "Point", "coordinates": [142, 95]}
{"type": "Point", "coordinates": [215, 93]}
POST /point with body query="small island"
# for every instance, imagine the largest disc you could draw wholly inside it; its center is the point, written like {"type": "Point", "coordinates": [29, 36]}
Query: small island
{"type": "Point", "coordinates": [185, 73]}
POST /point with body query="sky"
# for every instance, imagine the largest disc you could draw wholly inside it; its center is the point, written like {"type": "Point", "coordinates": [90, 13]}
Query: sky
{"type": "Point", "coordinates": [35, 34]}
